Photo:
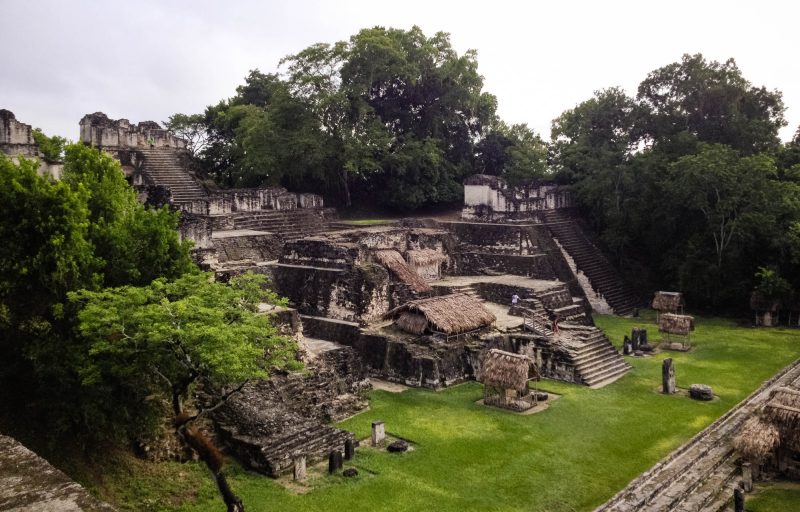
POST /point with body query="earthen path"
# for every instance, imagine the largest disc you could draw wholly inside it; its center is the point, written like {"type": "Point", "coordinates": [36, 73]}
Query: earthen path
{"type": "Point", "coordinates": [701, 474]}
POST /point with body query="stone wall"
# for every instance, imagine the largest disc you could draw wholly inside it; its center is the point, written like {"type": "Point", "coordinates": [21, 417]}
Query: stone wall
{"type": "Point", "coordinates": [28, 482]}
{"type": "Point", "coordinates": [255, 247]}
{"type": "Point", "coordinates": [196, 228]}
{"type": "Point", "coordinates": [490, 198]}
{"type": "Point", "coordinates": [99, 130]}
{"type": "Point", "coordinates": [16, 140]}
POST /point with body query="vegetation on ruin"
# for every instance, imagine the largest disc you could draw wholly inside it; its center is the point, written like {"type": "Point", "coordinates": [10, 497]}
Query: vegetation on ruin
{"type": "Point", "coordinates": [51, 147]}
{"type": "Point", "coordinates": [87, 231]}
{"type": "Point", "coordinates": [587, 445]}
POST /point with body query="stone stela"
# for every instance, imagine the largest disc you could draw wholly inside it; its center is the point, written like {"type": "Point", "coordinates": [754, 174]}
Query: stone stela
{"type": "Point", "coordinates": [667, 377]}
{"type": "Point", "coordinates": [378, 433]}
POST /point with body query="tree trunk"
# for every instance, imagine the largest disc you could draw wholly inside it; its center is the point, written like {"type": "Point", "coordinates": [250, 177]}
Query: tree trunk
{"type": "Point", "coordinates": [346, 189]}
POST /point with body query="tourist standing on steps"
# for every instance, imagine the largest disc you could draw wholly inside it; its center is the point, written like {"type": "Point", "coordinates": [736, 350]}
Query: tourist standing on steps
{"type": "Point", "coordinates": [514, 299]}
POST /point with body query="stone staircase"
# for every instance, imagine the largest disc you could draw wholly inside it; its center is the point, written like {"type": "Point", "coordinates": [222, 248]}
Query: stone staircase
{"type": "Point", "coordinates": [164, 167]}
{"type": "Point", "coordinates": [291, 224]}
{"type": "Point", "coordinates": [590, 260]}
{"type": "Point", "coordinates": [467, 289]}
{"type": "Point", "coordinates": [314, 440]}
{"type": "Point", "coordinates": [595, 358]}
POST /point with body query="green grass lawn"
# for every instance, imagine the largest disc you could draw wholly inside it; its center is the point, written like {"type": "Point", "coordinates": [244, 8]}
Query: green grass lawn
{"type": "Point", "coordinates": [778, 497]}
{"type": "Point", "coordinates": [573, 456]}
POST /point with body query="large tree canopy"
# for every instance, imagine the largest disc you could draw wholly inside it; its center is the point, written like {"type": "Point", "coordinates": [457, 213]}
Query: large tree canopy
{"type": "Point", "coordinates": [389, 118]}
{"type": "Point", "coordinates": [682, 180]}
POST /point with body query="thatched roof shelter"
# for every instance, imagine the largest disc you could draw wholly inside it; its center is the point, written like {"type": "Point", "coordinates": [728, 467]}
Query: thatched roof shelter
{"type": "Point", "coordinates": [783, 411]}
{"type": "Point", "coordinates": [759, 302]}
{"type": "Point", "coordinates": [424, 257]}
{"type": "Point", "coordinates": [676, 324]}
{"type": "Point", "coordinates": [668, 302]}
{"type": "Point", "coordinates": [450, 314]}
{"type": "Point", "coordinates": [505, 370]}
{"type": "Point", "coordinates": [757, 439]}
{"type": "Point", "coordinates": [394, 261]}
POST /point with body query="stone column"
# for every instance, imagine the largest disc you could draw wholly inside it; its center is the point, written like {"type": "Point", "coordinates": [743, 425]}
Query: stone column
{"type": "Point", "coordinates": [747, 477]}
{"type": "Point", "coordinates": [378, 433]}
{"type": "Point", "coordinates": [667, 377]}
{"type": "Point", "coordinates": [334, 461]}
{"type": "Point", "coordinates": [300, 468]}
{"type": "Point", "coordinates": [738, 500]}
{"type": "Point", "coordinates": [349, 449]}
{"type": "Point", "coordinates": [635, 339]}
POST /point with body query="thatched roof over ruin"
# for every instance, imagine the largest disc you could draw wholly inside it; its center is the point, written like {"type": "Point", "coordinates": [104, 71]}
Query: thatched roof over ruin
{"type": "Point", "coordinates": [757, 439]}
{"type": "Point", "coordinates": [505, 370]}
{"type": "Point", "coordinates": [424, 257]}
{"type": "Point", "coordinates": [676, 324]}
{"type": "Point", "coordinates": [394, 261]}
{"type": "Point", "coordinates": [668, 301]}
{"type": "Point", "coordinates": [760, 303]}
{"type": "Point", "coordinates": [450, 314]}
{"type": "Point", "coordinates": [783, 411]}
{"type": "Point", "coordinates": [414, 323]}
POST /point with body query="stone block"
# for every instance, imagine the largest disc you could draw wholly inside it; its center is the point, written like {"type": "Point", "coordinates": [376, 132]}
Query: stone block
{"type": "Point", "coordinates": [378, 433]}
{"type": "Point", "coordinates": [701, 392]}
{"type": "Point", "coordinates": [300, 468]}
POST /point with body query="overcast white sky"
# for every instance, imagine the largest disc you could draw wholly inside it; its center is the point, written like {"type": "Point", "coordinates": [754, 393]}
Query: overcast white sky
{"type": "Point", "coordinates": [145, 60]}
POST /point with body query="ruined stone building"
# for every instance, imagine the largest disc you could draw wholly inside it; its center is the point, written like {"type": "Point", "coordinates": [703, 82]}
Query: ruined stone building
{"type": "Point", "coordinates": [417, 302]}
{"type": "Point", "coordinates": [16, 140]}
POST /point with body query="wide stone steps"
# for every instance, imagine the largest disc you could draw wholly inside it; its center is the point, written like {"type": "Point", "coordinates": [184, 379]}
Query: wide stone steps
{"type": "Point", "coordinates": [589, 260]}
{"type": "Point", "coordinates": [164, 168]}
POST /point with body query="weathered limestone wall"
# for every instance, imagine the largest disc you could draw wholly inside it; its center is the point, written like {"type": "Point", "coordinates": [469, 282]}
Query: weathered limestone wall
{"type": "Point", "coordinates": [12, 132]}
{"type": "Point", "coordinates": [255, 247]}
{"type": "Point", "coordinates": [28, 482]}
{"type": "Point", "coordinates": [196, 228]}
{"type": "Point", "coordinates": [99, 130]}
{"type": "Point", "coordinates": [16, 140]}
{"type": "Point", "coordinates": [490, 198]}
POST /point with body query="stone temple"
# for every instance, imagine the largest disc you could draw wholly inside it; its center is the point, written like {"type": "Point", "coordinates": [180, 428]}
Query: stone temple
{"type": "Point", "coordinates": [417, 302]}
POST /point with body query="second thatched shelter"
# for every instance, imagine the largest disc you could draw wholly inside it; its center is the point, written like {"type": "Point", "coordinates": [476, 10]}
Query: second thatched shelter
{"type": "Point", "coordinates": [771, 439]}
{"type": "Point", "coordinates": [447, 314]}
{"type": "Point", "coordinates": [668, 302]}
{"type": "Point", "coordinates": [680, 325]}
{"type": "Point", "coordinates": [505, 379]}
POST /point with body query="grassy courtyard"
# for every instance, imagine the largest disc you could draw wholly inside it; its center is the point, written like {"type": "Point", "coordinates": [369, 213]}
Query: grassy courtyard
{"type": "Point", "coordinates": [573, 456]}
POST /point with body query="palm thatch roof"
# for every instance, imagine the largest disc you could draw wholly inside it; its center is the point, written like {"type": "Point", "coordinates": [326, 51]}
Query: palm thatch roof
{"type": "Point", "coordinates": [668, 302]}
{"type": "Point", "coordinates": [450, 314]}
{"type": "Point", "coordinates": [424, 257]}
{"type": "Point", "coordinates": [676, 324]}
{"type": "Point", "coordinates": [505, 370]}
{"type": "Point", "coordinates": [783, 411]}
{"type": "Point", "coordinates": [412, 322]}
{"type": "Point", "coordinates": [757, 439]}
{"type": "Point", "coordinates": [394, 261]}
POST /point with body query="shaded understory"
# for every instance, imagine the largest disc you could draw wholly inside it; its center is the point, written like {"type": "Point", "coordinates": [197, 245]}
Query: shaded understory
{"type": "Point", "coordinates": [573, 456]}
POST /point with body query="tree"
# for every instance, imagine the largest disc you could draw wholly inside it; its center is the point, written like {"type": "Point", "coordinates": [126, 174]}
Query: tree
{"type": "Point", "coordinates": [709, 102]}
{"type": "Point", "coordinates": [83, 232]}
{"type": "Point", "coordinates": [166, 338]}
{"type": "Point", "coordinates": [132, 244]}
{"type": "Point", "coordinates": [51, 147]}
{"type": "Point", "coordinates": [191, 128]}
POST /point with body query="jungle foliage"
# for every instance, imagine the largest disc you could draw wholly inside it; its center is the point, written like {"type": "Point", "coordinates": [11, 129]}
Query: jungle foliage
{"type": "Point", "coordinates": [389, 118]}
{"type": "Point", "coordinates": [687, 184]}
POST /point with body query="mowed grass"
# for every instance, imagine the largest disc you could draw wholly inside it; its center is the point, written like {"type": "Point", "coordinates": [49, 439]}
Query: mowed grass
{"type": "Point", "coordinates": [777, 497]}
{"type": "Point", "coordinates": [574, 456]}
